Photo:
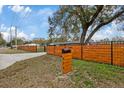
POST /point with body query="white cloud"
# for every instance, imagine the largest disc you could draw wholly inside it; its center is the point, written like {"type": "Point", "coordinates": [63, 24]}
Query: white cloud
{"type": "Point", "coordinates": [46, 12]}
{"type": "Point", "coordinates": [22, 35]}
{"type": "Point", "coordinates": [32, 35]}
{"type": "Point", "coordinates": [108, 32]}
{"type": "Point", "coordinates": [104, 33]}
{"type": "Point", "coordinates": [27, 9]}
{"type": "Point", "coordinates": [17, 8]}
{"type": "Point", "coordinates": [13, 28]}
{"type": "Point", "coordinates": [1, 8]}
{"type": "Point", "coordinates": [6, 33]}
{"type": "Point", "coordinates": [20, 9]}
{"type": "Point", "coordinates": [6, 36]}
{"type": "Point", "coordinates": [3, 27]}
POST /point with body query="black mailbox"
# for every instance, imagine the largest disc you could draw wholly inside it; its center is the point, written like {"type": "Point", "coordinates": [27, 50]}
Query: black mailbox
{"type": "Point", "coordinates": [66, 50]}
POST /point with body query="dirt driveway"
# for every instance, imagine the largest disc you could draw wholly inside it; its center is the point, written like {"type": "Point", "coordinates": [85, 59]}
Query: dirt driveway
{"type": "Point", "coordinates": [9, 59]}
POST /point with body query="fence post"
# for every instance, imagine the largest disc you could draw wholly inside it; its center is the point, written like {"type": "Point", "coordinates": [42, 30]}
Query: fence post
{"type": "Point", "coordinates": [44, 48]}
{"type": "Point", "coordinates": [36, 48]}
{"type": "Point", "coordinates": [54, 49]}
{"type": "Point", "coordinates": [82, 51]}
{"type": "Point", "coordinates": [111, 52]}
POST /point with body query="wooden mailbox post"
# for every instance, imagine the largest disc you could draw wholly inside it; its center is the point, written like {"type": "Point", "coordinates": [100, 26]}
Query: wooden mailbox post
{"type": "Point", "coordinates": [67, 60]}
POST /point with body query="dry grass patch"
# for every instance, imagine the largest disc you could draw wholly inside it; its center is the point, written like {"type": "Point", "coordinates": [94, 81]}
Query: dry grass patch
{"type": "Point", "coordinates": [11, 51]}
{"type": "Point", "coordinates": [41, 71]}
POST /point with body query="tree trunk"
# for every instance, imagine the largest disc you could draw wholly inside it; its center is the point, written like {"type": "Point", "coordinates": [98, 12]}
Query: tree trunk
{"type": "Point", "coordinates": [83, 36]}
{"type": "Point", "coordinates": [89, 37]}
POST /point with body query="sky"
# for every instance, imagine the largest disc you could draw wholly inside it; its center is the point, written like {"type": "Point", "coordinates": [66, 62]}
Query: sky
{"type": "Point", "coordinates": [32, 22]}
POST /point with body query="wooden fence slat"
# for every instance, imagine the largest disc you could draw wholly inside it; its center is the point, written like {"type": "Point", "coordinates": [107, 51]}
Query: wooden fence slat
{"type": "Point", "coordinates": [97, 52]}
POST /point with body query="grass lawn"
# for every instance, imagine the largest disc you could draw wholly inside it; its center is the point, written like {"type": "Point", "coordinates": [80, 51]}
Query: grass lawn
{"type": "Point", "coordinates": [10, 51]}
{"type": "Point", "coordinates": [45, 71]}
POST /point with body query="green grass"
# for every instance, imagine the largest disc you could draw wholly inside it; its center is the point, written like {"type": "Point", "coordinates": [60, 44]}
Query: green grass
{"type": "Point", "coordinates": [90, 74]}
{"type": "Point", "coordinates": [45, 71]}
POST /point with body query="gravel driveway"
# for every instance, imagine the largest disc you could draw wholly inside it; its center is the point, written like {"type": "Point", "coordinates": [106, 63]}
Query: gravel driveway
{"type": "Point", "coordinates": [9, 59]}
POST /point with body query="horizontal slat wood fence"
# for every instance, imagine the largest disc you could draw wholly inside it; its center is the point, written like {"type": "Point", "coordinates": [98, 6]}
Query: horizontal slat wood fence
{"type": "Point", "coordinates": [27, 48]}
{"type": "Point", "coordinates": [111, 53]}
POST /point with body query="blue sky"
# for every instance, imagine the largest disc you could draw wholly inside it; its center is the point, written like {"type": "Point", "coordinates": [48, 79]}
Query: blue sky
{"type": "Point", "coordinates": [32, 22]}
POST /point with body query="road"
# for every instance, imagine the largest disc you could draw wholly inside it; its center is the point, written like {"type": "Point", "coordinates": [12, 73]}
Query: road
{"type": "Point", "coordinates": [7, 60]}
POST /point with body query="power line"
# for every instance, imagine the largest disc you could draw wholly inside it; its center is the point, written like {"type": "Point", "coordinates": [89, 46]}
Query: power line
{"type": "Point", "coordinates": [16, 26]}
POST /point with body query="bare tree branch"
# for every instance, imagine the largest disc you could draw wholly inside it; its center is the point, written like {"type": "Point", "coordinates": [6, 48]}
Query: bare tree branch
{"type": "Point", "coordinates": [102, 24]}
{"type": "Point", "coordinates": [99, 9]}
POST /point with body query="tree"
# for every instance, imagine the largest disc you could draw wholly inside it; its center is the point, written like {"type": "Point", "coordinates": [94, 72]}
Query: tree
{"type": "Point", "coordinates": [51, 29]}
{"type": "Point", "coordinates": [19, 41]}
{"type": "Point", "coordinates": [104, 40]}
{"type": "Point", "coordinates": [85, 19]}
{"type": "Point", "coordinates": [39, 41]}
{"type": "Point", "coordinates": [118, 38]}
{"type": "Point", "coordinates": [63, 33]}
{"type": "Point", "coordinates": [2, 41]}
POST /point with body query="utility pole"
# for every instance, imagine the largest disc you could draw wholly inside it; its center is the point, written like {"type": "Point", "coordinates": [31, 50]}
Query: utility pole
{"type": "Point", "coordinates": [11, 37]}
{"type": "Point", "coordinates": [16, 37]}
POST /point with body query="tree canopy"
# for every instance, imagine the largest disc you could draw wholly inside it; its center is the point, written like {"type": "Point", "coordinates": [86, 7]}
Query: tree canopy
{"type": "Point", "coordinates": [19, 41]}
{"type": "Point", "coordinates": [2, 41]}
{"type": "Point", "coordinates": [82, 21]}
